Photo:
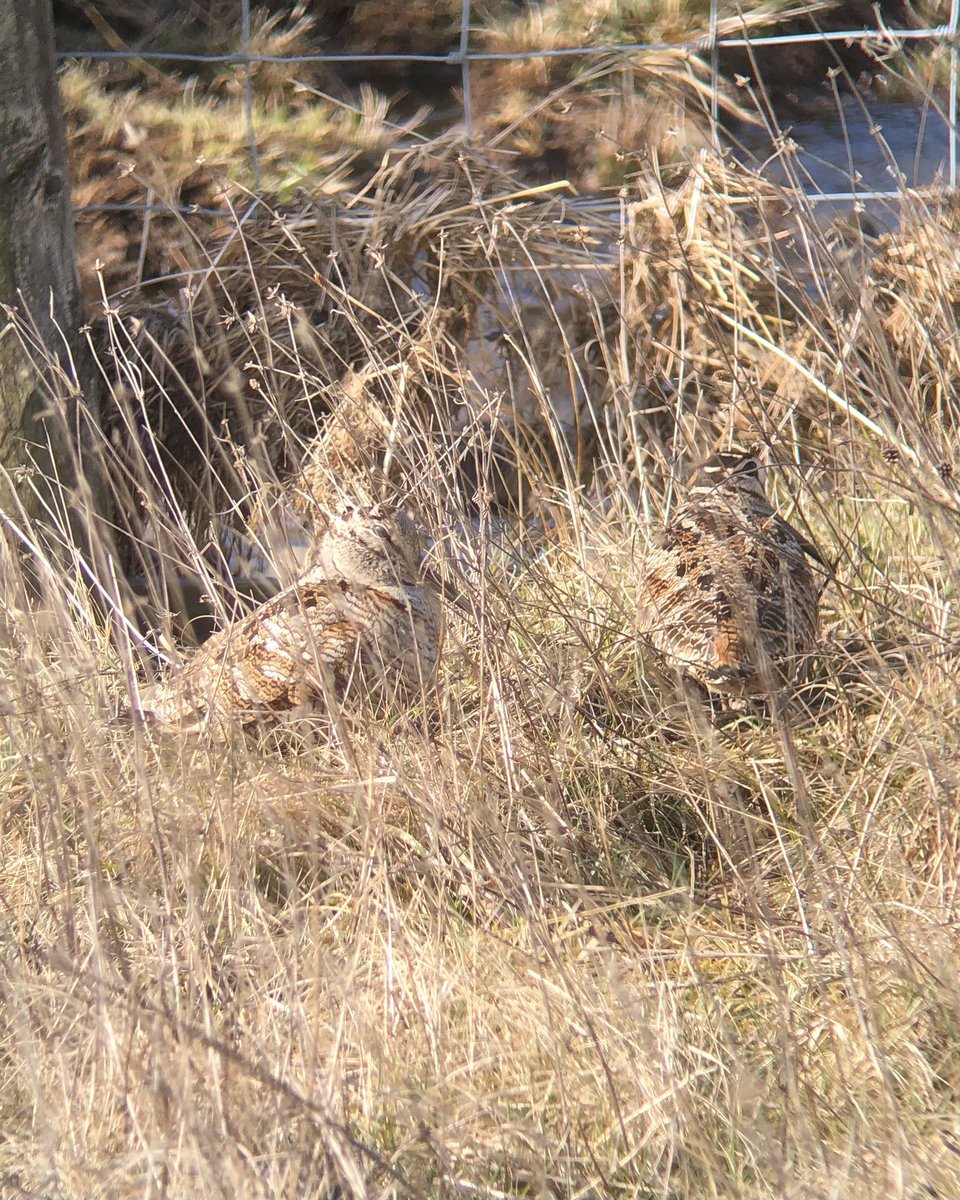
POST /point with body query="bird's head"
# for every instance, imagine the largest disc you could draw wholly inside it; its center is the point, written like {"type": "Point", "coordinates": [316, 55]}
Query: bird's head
{"type": "Point", "coordinates": [372, 544]}
{"type": "Point", "coordinates": [743, 471]}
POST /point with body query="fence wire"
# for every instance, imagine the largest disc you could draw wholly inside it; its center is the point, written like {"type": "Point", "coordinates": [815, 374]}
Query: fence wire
{"type": "Point", "coordinates": [709, 47]}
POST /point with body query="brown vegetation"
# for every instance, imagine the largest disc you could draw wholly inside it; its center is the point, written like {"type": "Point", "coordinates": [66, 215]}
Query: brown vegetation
{"type": "Point", "coordinates": [185, 134]}
{"type": "Point", "coordinates": [558, 930]}
{"type": "Point", "coordinates": [554, 933]}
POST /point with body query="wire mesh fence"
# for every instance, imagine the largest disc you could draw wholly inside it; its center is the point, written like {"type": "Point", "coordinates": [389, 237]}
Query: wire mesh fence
{"type": "Point", "coordinates": [879, 38]}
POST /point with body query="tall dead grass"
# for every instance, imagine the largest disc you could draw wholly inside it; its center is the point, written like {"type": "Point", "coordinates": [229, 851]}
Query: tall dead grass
{"type": "Point", "coordinates": [555, 935]}
{"type": "Point", "coordinates": [150, 138]}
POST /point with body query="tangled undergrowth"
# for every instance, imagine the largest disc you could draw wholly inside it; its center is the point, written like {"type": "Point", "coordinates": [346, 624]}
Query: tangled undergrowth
{"type": "Point", "coordinates": [552, 931]}
{"type": "Point", "coordinates": [172, 121]}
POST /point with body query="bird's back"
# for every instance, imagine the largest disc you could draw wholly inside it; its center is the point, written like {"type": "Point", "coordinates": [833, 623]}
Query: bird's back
{"type": "Point", "coordinates": [331, 635]}
{"type": "Point", "coordinates": [727, 592]}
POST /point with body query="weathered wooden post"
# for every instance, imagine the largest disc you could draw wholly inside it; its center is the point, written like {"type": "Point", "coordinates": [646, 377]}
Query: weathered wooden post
{"type": "Point", "coordinates": [38, 276]}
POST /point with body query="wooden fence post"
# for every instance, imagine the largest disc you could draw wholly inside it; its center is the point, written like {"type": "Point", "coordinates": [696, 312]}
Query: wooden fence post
{"type": "Point", "coordinates": [39, 288]}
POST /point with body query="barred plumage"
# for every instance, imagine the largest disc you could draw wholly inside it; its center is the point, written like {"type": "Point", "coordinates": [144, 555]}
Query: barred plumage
{"type": "Point", "coordinates": [727, 593]}
{"type": "Point", "coordinates": [363, 618]}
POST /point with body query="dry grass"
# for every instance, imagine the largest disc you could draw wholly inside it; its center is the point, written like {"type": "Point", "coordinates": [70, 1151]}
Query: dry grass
{"type": "Point", "coordinates": [187, 134]}
{"type": "Point", "coordinates": [554, 934]}
{"type": "Point", "coordinates": [597, 118]}
{"type": "Point", "coordinates": [190, 148]}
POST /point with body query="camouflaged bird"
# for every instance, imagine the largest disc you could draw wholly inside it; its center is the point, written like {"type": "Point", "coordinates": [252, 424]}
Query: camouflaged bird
{"type": "Point", "coordinates": [728, 595]}
{"type": "Point", "coordinates": [364, 618]}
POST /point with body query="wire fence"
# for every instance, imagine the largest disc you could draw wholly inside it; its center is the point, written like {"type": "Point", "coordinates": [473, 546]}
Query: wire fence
{"type": "Point", "coordinates": [709, 47]}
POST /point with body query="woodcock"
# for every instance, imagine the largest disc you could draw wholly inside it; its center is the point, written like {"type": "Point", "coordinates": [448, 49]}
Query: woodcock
{"type": "Point", "coordinates": [364, 618]}
{"type": "Point", "coordinates": [728, 595]}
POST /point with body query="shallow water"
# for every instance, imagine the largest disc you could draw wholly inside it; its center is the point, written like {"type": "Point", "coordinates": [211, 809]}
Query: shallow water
{"type": "Point", "coordinates": [866, 147]}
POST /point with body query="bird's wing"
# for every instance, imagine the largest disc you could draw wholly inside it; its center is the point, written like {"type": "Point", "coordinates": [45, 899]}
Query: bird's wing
{"type": "Point", "coordinates": [295, 647]}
